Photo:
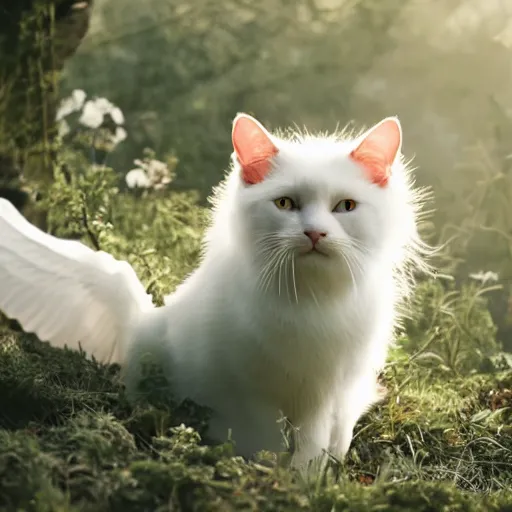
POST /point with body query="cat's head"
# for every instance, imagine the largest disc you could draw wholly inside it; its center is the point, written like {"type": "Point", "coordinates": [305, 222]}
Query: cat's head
{"type": "Point", "coordinates": [319, 210]}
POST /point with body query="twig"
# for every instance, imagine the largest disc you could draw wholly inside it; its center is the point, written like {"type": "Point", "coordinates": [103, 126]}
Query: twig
{"type": "Point", "coordinates": [85, 221]}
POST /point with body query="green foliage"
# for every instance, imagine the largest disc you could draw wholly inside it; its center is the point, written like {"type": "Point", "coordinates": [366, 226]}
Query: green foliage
{"type": "Point", "coordinates": [69, 441]}
{"type": "Point", "coordinates": [26, 75]}
{"type": "Point", "coordinates": [221, 58]}
{"type": "Point", "coordinates": [451, 329]}
{"type": "Point", "coordinates": [158, 232]}
{"type": "Point", "coordinates": [36, 37]}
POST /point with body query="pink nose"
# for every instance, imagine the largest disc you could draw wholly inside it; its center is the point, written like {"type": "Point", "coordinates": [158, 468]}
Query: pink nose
{"type": "Point", "coordinates": [314, 236]}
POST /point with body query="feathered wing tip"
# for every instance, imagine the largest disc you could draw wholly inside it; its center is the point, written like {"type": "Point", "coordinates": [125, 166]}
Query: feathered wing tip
{"type": "Point", "coordinates": [65, 292]}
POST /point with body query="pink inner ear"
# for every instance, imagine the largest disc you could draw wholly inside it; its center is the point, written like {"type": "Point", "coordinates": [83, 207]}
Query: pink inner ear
{"type": "Point", "coordinates": [378, 150]}
{"type": "Point", "coordinates": [253, 148]}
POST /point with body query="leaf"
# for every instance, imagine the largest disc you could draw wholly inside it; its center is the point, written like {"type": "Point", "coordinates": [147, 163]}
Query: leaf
{"type": "Point", "coordinates": [496, 415]}
{"type": "Point", "coordinates": [481, 416]}
{"type": "Point", "coordinates": [430, 355]}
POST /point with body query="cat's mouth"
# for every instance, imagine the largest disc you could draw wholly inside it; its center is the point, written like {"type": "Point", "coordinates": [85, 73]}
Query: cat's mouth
{"type": "Point", "coordinates": [314, 251]}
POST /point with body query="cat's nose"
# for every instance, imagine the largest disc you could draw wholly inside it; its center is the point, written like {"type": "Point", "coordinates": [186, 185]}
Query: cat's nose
{"type": "Point", "coordinates": [314, 236]}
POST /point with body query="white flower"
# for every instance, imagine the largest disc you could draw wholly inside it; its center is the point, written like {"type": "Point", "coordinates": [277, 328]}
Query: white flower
{"type": "Point", "coordinates": [71, 104]}
{"type": "Point", "coordinates": [79, 97]}
{"type": "Point", "coordinates": [158, 173]}
{"type": "Point", "coordinates": [103, 105]}
{"type": "Point", "coordinates": [151, 173]}
{"type": "Point", "coordinates": [92, 116]}
{"type": "Point", "coordinates": [484, 277]}
{"type": "Point", "coordinates": [137, 178]}
{"type": "Point", "coordinates": [119, 136]}
{"type": "Point", "coordinates": [116, 115]}
{"type": "Point", "coordinates": [64, 128]}
{"type": "Point", "coordinates": [95, 110]}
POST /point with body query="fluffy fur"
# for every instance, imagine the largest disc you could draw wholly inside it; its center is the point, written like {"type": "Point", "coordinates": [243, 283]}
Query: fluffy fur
{"type": "Point", "coordinates": [265, 327]}
{"type": "Point", "coordinates": [273, 332]}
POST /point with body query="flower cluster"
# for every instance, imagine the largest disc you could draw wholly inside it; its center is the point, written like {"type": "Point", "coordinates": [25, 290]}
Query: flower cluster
{"type": "Point", "coordinates": [151, 173]}
{"type": "Point", "coordinates": [94, 114]}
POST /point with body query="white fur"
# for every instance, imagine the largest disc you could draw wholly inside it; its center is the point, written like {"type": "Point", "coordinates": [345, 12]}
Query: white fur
{"type": "Point", "coordinates": [308, 340]}
{"type": "Point", "coordinates": [259, 330]}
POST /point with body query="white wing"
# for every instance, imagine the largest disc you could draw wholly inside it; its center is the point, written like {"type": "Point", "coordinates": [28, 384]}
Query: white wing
{"type": "Point", "coordinates": [65, 292]}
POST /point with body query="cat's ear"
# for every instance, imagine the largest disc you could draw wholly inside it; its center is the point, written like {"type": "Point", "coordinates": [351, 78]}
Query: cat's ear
{"type": "Point", "coordinates": [378, 148]}
{"type": "Point", "coordinates": [253, 147]}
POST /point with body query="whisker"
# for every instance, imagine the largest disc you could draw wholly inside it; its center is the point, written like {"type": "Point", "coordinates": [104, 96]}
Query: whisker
{"type": "Point", "coordinates": [281, 259]}
{"type": "Point", "coordinates": [265, 276]}
{"type": "Point", "coordinates": [350, 270]}
{"type": "Point", "coordinates": [286, 261]}
{"type": "Point", "coordinates": [276, 270]}
{"type": "Point", "coordinates": [274, 255]}
{"type": "Point", "coordinates": [293, 278]}
{"type": "Point", "coordinates": [359, 246]}
{"type": "Point", "coordinates": [355, 261]}
{"type": "Point", "coordinates": [313, 295]}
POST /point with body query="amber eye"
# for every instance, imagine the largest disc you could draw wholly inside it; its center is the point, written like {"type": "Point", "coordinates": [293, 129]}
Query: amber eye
{"type": "Point", "coordinates": [284, 203]}
{"type": "Point", "coordinates": [347, 205]}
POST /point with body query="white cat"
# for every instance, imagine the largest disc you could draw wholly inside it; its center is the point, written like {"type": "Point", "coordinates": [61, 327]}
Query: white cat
{"type": "Point", "coordinates": [291, 310]}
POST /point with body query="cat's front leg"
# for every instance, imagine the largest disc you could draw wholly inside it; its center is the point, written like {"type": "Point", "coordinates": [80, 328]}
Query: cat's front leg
{"type": "Point", "coordinates": [311, 438]}
{"type": "Point", "coordinates": [341, 433]}
{"type": "Point", "coordinates": [349, 406]}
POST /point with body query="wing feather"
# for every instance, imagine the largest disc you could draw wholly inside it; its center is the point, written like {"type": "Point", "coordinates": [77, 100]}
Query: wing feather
{"type": "Point", "coordinates": [65, 292]}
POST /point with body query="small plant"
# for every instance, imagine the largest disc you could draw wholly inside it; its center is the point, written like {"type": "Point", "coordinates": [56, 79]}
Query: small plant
{"type": "Point", "coordinates": [450, 329]}
{"type": "Point", "coordinates": [87, 201]}
{"type": "Point", "coordinates": [151, 173]}
{"type": "Point", "coordinates": [94, 126]}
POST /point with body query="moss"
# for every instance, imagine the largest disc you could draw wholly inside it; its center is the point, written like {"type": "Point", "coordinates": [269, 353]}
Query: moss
{"type": "Point", "coordinates": [42, 384]}
{"type": "Point", "coordinates": [419, 496]}
{"type": "Point", "coordinates": [69, 441]}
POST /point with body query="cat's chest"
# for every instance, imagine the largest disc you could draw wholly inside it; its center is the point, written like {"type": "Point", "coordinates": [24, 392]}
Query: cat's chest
{"type": "Point", "coordinates": [298, 351]}
{"type": "Point", "coordinates": [305, 324]}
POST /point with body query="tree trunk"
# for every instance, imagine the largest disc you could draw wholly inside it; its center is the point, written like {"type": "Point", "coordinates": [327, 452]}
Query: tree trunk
{"type": "Point", "coordinates": [36, 38]}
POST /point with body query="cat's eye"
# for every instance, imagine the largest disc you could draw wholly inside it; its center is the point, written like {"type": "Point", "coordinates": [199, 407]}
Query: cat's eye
{"type": "Point", "coordinates": [284, 203]}
{"type": "Point", "coordinates": [347, 205]}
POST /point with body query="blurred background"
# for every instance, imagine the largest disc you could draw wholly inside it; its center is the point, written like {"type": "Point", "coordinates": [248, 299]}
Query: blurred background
{"type": "Point", "coordinates": [176, 72]}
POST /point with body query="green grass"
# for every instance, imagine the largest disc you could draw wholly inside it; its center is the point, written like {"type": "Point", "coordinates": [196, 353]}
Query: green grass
{"type": "Point", "coordinates": [69, 441]}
